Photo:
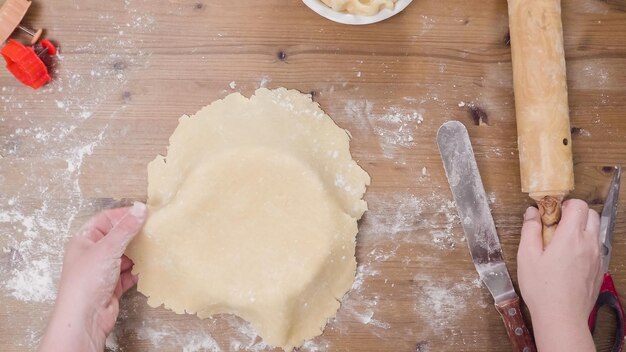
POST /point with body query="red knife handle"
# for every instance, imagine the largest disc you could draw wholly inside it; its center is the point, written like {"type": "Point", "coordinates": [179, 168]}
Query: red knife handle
{"type": "Point", "coordinates": [608, 297]}
{"type": "Point", "coordinates": [516, 329]}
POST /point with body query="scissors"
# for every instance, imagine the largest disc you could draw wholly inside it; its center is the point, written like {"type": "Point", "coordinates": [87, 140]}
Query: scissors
{"type": "Point", "coordinates": [608, 294]}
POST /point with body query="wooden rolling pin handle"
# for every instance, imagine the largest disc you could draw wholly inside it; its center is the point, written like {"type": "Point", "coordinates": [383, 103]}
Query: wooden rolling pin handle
{"type": "Point", "coordinates": [520, 337]}
{"type": "Point", "coordinates": [550, 211]}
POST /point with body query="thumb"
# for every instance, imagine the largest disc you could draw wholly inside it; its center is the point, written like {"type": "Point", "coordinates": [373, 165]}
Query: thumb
{"type": "Point", "coordinates": [531, 241]}
{"type": "Point", "coordinates": [117, 239]}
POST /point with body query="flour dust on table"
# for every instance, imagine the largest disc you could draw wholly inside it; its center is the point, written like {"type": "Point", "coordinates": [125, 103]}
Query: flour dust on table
{"type": "Point", "coordinates": [50, 136]}
{"type": "Point", "coordinates": [254, 212]}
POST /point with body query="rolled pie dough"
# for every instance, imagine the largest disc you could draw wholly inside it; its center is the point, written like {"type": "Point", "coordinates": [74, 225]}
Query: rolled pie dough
{"type": "Point", "coordinates": [253, 212]}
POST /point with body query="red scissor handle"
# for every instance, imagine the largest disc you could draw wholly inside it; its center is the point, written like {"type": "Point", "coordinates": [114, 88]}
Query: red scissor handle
{"type": "Point", "coordinates": [46, 44]}
{"type": "Point", "coordinates": [608, 296]}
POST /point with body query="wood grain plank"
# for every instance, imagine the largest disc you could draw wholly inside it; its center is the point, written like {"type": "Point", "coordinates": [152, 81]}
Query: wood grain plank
{"type": "Point", "coordinates": [129, 69]}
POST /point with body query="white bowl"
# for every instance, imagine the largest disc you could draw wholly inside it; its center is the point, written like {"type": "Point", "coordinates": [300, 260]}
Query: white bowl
{"type": "Point", "coordinates": [347, 18]}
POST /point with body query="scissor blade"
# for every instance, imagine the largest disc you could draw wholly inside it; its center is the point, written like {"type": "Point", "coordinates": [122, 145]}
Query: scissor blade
{"type": "Point", "coordinates": [607, 220]}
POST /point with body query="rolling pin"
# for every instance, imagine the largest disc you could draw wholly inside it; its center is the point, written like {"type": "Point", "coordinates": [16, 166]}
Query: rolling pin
{"type": "Point", "coordinates": [541, 108]}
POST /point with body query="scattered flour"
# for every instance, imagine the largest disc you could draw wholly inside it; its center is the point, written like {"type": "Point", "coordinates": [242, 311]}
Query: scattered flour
{"type": "Point", "coordinates": [491, 197]}
{"type": "Point", "coordinates": [201, 343]}
{"type": "Point", "coordinates": [264, 81]}
{"type": "Point", "coordinates": [597, 74]}
{"type": "Point", "coordinates": [43, 194]}
{"type": "Point", "coordinates": [33, 282]}
{"type": "Point", "coordinates": [441, 302]}
{"type": "Point", "coordinates": [359, 110]}
{"type": "Point", "coordinates": [111, 343]}
{"type": "Point", "coordinates": [583, 132]}
{"type": "Point", "coordinates": [247, 339]}
{"type": "Point", "coordinates": [402, 216]}
{"type": "Point", "coordinates": [161, 335]}
{"type": "Point", "coordinates": [362, 273]}
{"type": "Point", "coordinates": [36, 239]}
{"type": "Point", "coordinates": [427, 23]}
{"type": "Point", "coordinates": [394, 220]}
{"type": "Point", "coordinates": [445, 238]}
{"type": "Point", "coordinates": [315, 346]}
{"type": "Point", "coordinates": [395, 127]}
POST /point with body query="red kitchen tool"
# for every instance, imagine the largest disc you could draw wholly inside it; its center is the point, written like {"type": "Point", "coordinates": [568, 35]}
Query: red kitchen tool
{"type": "Point", "coordinates": [26, 65]}
{"type": "Point", "coordinates": [608, 294]}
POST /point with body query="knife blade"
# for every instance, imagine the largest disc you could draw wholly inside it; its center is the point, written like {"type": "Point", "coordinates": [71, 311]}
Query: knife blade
{"type": "Point", "coordinates": [480, 231]}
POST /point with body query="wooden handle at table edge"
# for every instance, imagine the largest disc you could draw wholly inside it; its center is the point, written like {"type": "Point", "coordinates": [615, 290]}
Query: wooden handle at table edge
{"type": "Point", "coordinates": [519, 335]}
{"type": "Point", "coordinates": [550, 211]}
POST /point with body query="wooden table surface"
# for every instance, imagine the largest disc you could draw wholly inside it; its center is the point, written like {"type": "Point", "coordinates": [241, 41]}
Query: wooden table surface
{"type": "Point", "coordinates": [128, 70]}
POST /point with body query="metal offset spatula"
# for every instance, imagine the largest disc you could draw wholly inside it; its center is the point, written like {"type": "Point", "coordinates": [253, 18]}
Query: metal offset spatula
{"type": "Point", "coordinates": [480, 231]}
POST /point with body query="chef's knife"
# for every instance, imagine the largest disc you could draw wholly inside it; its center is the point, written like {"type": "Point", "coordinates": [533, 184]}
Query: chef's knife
{"type": "Point", "coordinates": [480, 231]}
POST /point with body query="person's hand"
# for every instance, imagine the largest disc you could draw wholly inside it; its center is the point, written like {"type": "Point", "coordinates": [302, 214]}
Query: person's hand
{"type": "Point", "coordinates": [560, 283]}
{"type": "Point", "coordinates": [96, 273]}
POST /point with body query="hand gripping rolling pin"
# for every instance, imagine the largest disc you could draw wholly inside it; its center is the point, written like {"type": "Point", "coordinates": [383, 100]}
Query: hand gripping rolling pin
{"type": "Point", "coordinates": [542, 114]}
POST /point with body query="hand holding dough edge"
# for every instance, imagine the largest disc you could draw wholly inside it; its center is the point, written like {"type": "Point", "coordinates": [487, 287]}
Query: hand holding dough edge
{"type": "Point", "coordinates": [95, 275]}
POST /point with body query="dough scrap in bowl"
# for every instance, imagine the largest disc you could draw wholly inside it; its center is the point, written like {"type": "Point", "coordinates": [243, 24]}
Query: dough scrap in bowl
{"type": "Point", "coordinates": [360, 7]}
{"type": "Point", "coordinates": [253, 212]}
